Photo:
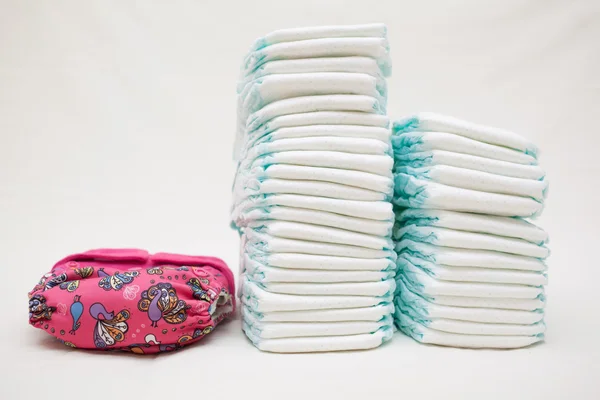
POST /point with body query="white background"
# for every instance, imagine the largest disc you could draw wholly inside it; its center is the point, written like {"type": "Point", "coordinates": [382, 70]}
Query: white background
{"type": "Point", "coordinates": [116, 130]}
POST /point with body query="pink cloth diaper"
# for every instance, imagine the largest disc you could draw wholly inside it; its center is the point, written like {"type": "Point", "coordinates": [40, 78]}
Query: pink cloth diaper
{"type": "Point", "coordinates": [128, 299]}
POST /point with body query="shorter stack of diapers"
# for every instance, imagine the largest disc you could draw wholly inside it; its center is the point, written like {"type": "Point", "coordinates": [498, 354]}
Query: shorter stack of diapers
{"type": "Point", "coordinates": [470, 268]}
{"type": "Point", "coordinates": [312, 193]}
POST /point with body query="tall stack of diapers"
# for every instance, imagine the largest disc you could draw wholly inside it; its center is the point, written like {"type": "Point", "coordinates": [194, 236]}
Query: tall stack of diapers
{"type": "Point", "coordinates": [470, 267]}
{"type": "Point", "coordinates": [313, 188]}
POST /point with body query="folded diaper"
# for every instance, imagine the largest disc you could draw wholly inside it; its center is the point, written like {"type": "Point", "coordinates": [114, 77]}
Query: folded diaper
{"type": "Point", "coordinates": [411, 192]}
{"type": "Point", "coordinates": [258, 242]}
{"type": "Point", "coordinates": [414, 142]}
{"type": "Point", "coordinates": [320, 262]}
{"type": "Point", "coordinates": [127, 299]}
{"type": "Point", "coordinates": [376, 210]}
{"type": "Point", "coordinates": [469, 258]}
{"type": "Point", "coordinates": [372, 313]}
{"type": "Point", "coordinates": [472, 274]}
{"type": "Point", "coordinates": [313, 103]}
{"type": "Point", "coordinates": [432, 336]}
{"type": "Point", "coordinates": [320, 343]}
{"type": "Point", "coordinates": [363, 65]}
{"type": "Point", "coordinates": [377, 289]}
{"type": "Point", "coordinates": [364, 180]}
{"type": "Point", "coordinates": [478, 180]}
{"type": "Point", "coordinates": [361, 131]}
{"type": "Point", "coordinates": [262, 301]}
{"type": "Point", "coordinates": [433, 158]}
{"type": "Point", "coordinates": [373, 47]}
{"type": "Point", "coordinates": [262, 273]}
{"type": "Point", "coordinates": [317, 32]}
{"type": "Point", "coordinates": [426, 121]}
{"type": "Point", "coordinates": [367, 226]}
{"type": "Point", "coordinates": [412, 303]}
{"type": "Point", "coordinates": [493, 225]}
{"type": "Point", "coordinates": [322, 234]}
{"type": "Point", "coordinates": [470, 240]}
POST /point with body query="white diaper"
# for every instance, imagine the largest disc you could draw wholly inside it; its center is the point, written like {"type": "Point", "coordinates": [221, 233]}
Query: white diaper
{"type": "Point", "coordinates": [261, 242]}
{"type": "Point", "coordinates": [278, 330]}
{"type": "Point", "coordinates": [431, 336]}
{"type": "Point", "coordinates": [505, 303]}
{"type": "Point", "coordinates": [470, 240]}
{"type": "Point", "coordinates": [375, 289]}
{"type": "Point", "coordinates": [377, 30]}
{"type": "Point", "coordinates": [376, 48]}
{"type": "Point", "coordinates": [320, 343]}
{"type": "Point", "coordinates": [469, 258]}
{"type": "Point", "coordinates": [321, 262]}
{"type": "Point", "coordinates": [377, 210]}
{"type": "Point", "coordinates": [327, 130]}
{"type": "Point", "coordinates": [441, 157]}
{"type": "Point", "coordinates": [410, 192]}
{"type": "Point", "coordinates": [367, 226]}
{"type": "Point", "coordinates": [427, 121]}
{"type": "Point", "coordinates": [365, 180]}
{"type": "Point", "coordinates": [262, 301]}
{"type": "Point", "coordinates": [375, 313]}
{"type": "Point", "coordinates": [478, 180]}
{"type": "Point", "coordinates": [298, 105]}
{"type": "Point", "coordinates": [470, 274]}
{"type": "Point", "coordinates": [500, 226]}
{"type": "Point", "coordinates": [415, 142]}
{"type": "Point", "coordinates": [261, 273]}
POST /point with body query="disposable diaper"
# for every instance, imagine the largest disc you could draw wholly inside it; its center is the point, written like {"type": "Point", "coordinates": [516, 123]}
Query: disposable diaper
{"type": "Point", "coordinates": [259, 242]}
{"type": "Point", "coordinates": [367, 226]}
{"type": "Point", "coordinates": [469, 240]}
{"type": "Point", "coordinates": [376, 48]}
{"type": "Point", "coordinates": [376, 30]}
{"type": "Point", "coordinates": [410, 192]}
{"type": "Point", "coordinates": [377, 210]}
{"type": "Point", "coordinates": [413, 302]}
{"type": "Point", "coordinates": [377, 289]}
{"type": "Point", "coordinates": [524, 304]}
{"type": "Point", "coordinates": [493, 225]}
{"type": "Point", "coordinates": [311, 262]}
{"type": "Point", "coordinates": [262, 273]}
{"type": "Point", "coordinates": [359, 179]}
{"type": "Point", "coordinates": [472, 274]}
{"type": "Point", "coordinates": [478, 180]}
{"type": "Point", "coordinates": [432, 158]}
{"type": "Point", "coordinates": [373, 313]}
{"type": "Point", "coordinates": [434, 122]}
{"type": "Point", "coordinates": [469, 258]}
{"type": "Point", "coordinates": [431, 336]}
{"type": "Point", "coordinates": [320, 343]}
{"type": "Point", "coordinates": [262, 301]}
{"type": "Point", "coordinates": [414, 142]}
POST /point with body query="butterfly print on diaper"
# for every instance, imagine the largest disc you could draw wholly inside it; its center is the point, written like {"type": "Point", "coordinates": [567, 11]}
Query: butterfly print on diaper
{"type": "Point", "coordinates": [116, 281]}
{"type": "Point", "coordinates": [70, 286]}
{"type": "Point", "coordinates": [110, 328]}
{"type": "Point", "coordinates": [154, 271]}
{"type": "Point", "coordinates": [84, 272]}
{"type": "Point", "coordinates": [160, 301]}
{"type": "Point", "coordinates": [55, 281]}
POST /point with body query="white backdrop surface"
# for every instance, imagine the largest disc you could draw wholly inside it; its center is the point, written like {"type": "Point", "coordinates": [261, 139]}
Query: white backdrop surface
{"type": "Point", "coordinates": [116, 129]}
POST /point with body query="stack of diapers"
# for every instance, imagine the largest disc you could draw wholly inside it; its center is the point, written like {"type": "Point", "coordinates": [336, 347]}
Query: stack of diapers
{"type": "Point", "coordinates": [470, 267]}
{"type": "Point", "coordinates": [313, 188]}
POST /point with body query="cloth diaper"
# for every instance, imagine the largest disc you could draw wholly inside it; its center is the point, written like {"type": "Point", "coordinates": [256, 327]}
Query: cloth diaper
{"type": "Point", "coordinates": [490, 224]}
{"type": "Point", "coordinates": [427, 121]}
{"type": "Point", "coordinates": [433, 158]}
{"type": "Point", "coordinates": [262, 273]}
{"type": "Point", "coordinates": [363, 65]}
{"type": "Point", "coordinates": [127, 299]}
{"type": "Point", "coordinates": [470, 240]}
{"type": "Point", "coordinates": [373, 313]}
{"type": "Point", "coordinates": [477, 180]}
{"type": "Point", "coordinates": [276, 213]}
{"type": "Point", "coordinates": [376, 210]}
{"type": "Point", "coordinates": [423, 334]}
{"type": "Point", "coordinates": [410, 192]}
{"type": "Point", "coordinates": [415, 142]}
{"type": "Point", "coordinates": [373, 47]}
{"type": "Point", "coordinates": [377, 30]}
{"type": "Point", "coordinates": [469, 258]}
